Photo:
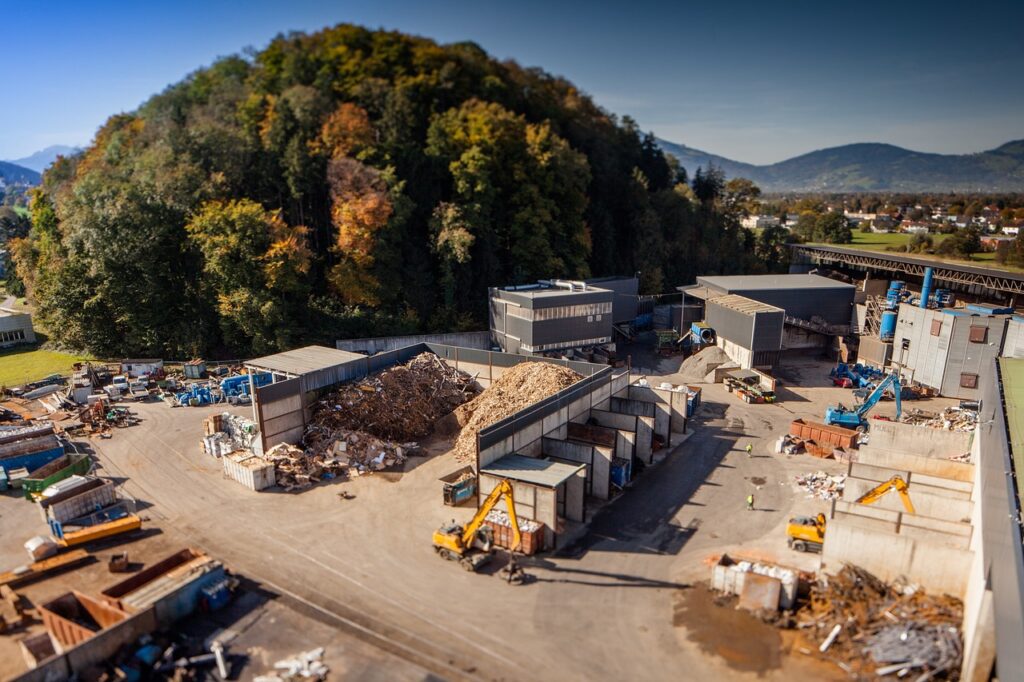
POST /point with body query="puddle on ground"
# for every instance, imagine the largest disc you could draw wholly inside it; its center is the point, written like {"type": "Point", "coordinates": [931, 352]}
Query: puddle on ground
{"type": "Point", "coordinates": [758, 480]}
{"type": "Point", "coordinates": [742, 641]}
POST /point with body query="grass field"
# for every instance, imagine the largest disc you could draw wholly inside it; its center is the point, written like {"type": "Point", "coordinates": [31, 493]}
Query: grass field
{"type": "Point", "coordinates": [870, 241]}
{"type": "Point", "coordinates": [21, 365]}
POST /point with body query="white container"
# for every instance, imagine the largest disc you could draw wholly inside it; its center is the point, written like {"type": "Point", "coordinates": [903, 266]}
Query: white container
{"type": "Point", "coordinates": [255, 473]}
{"type": "Point", "coordinates": [67, 484]}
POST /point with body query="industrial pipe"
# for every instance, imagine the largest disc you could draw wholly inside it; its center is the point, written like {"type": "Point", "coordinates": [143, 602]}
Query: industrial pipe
{"type": "Point", "coordinates": [926, 288]}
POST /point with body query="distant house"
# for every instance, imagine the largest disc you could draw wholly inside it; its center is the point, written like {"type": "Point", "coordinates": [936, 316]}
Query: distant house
{"type": "Point", "coordinates": [758, 222]}
{"type": "Point", "coordinates": [1013, 231]}
{"type": "Point", "coordinates": [915, 228]}
{"type": "Point", "coordinates": [883, 223]}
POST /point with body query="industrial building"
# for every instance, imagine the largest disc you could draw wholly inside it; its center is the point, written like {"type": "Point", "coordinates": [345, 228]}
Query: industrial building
{"type": "Point", "coordinates": [749, 331]}
{"type": "Point", "coordinates": [15, 328]}
{"type": "Point", "coordinates": [804, 297]}
{"type": "Point", "coordinates": [947, 349]}
{"type": "Point", "coordinates": [551, 315]}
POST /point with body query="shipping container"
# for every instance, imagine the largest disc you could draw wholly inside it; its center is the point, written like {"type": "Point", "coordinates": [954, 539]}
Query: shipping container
{"type": "Point", "coordinates": [823, 434]}
{"type": "Point", "coordinates": [33, 460]}
{"type": "Point", "coordinates": [174, 587]}
{"type": "Point", "coordinates": [532, 540]}
{"type": "Point", "coordinates": [459, 486]}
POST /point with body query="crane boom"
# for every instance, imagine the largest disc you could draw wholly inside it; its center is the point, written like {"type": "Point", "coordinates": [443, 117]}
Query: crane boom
{"type": "Point", "coordinates": [876, 395]}
{"type": "Point", "coordinates": [503, 489]}
{"type": "Point", "coordinates": [895, 483]}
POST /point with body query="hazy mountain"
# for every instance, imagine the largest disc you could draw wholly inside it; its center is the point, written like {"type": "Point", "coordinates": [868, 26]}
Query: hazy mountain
{"type": "Point", "coordinates": [14, 174]}
{"type": "Point", "coordinates": [41, 160]}
{"type": "Point", "coordinates": [873, 167]}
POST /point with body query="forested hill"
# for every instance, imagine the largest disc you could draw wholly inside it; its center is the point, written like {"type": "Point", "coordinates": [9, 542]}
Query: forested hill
{"type": "Point", "coordinates": [871, 167]}
{"type": "Point", "coordinates": [349, 183]}
{"type": "Point", "coordinates": [14, 174]}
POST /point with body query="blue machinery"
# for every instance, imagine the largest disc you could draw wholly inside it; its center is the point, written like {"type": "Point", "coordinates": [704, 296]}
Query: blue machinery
{"type": "Point", "coordinates": [857, 418]}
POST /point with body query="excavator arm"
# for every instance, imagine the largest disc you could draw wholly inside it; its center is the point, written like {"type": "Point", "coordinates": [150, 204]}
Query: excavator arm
{"type": "Point", "coordinates": [895, 483]}
{"type": "Point", "coordinates": [503, 489]}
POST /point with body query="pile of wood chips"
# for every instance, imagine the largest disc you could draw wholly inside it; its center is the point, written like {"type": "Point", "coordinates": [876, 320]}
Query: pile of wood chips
{"type": "Point", "coordinates": [518, 387]}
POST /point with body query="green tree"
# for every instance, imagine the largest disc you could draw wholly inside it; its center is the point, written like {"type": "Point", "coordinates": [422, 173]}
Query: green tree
{"type": "Point", "coordinates": [833, 228]}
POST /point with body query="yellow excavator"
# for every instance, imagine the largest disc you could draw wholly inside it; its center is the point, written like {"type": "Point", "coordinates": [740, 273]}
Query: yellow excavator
{"type": "Point", "coordinates": [807, 533]}
{"type": "Point", "coordinates": [472, 545]}
{"type": "Point", "coordinates": [895, 483]}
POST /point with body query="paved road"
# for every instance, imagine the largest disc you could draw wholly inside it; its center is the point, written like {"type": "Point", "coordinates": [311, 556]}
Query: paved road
{"type": "Point", "coordinates": [600, 608]}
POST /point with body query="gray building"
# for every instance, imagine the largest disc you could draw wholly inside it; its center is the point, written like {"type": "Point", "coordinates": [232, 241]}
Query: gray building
{"type": "Point", "coordinates": [801, 296]}
{"type": "Point", "coordinates": [550, 316]}
{"type": "Point", "coordinates": [627, 296]}
{"type": "Point", "coordinates": [15, 328]}
{"type": "Point", "coordinates": [748, 330]}
{"type": "Point", "coordinates": [947, 349]}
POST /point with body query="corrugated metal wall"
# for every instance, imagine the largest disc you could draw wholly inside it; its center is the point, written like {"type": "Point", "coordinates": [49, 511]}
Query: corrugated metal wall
{"type": "Point", "coordinates": [627, 290]}
{"type": "Point", "coordinates": [834, 305]}
{"type": "Point", "coordinates": [1001, 538]}
{"type": "Point", "coordinates": [382, 344]}
{"type": "Point", "coordinates": [730, 325]}
{"type": "Point", "coordinates": [925, 356]}
{"type": "Point", "coordinates": [965, 357]}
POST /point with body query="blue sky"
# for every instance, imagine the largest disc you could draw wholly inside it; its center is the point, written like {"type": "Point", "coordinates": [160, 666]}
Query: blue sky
{"type": "Point", "coordinates": [754, 81]}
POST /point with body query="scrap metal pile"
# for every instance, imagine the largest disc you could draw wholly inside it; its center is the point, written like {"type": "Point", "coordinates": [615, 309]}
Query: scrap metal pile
{"type": "Point", "coordinates": [400, 404]}
{"type": "Point", "coordinates": [867, 626]}
{"type": "Point", "coordinates": [517, 388]}
{"type": "Point", "coordinates": [950, 419]}
{"type": "Point", "coordinates": [822, 485]}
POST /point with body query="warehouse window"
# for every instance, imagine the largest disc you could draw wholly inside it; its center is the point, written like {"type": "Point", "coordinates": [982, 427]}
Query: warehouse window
{"type": "Point", "coordinates": [968, 380]}
{"type": "Point", "coordinates": [979, 334]}
{"type": "Point", "coordinates": [936, 327]}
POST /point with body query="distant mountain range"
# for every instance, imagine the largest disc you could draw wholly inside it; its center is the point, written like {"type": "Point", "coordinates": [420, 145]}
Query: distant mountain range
{"type": "Point", "coordinates": [871, 167]}
{"type": "Point", "coordinates": [14, 174]}
{"type": "Point", "coordinates": [42, 159]}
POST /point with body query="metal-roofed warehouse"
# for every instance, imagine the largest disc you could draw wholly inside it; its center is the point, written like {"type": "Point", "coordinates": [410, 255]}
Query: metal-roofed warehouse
{"type": "Point", "coordinates": [749, 331]}
{"type": "Point", "coordinates": [801, 296]}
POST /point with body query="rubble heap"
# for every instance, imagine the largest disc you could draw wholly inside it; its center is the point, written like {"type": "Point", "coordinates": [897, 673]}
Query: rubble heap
{"type": "Point", "coordinates": [399, 404]}
{"type": "Point", "coordinates": [821, 485]}
{"type": "Point", "coordinates": [950, 419]}
{"type": "Point", "coordinates": [295, 470]}
{"type": "Point", "coordinates": [867, 626]}
{"type": "Point", "coordinates": [519, 387]}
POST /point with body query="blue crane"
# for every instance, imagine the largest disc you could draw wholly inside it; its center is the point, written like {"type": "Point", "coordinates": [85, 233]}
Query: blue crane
{"type": "Point", "coordinates": [857, 418]}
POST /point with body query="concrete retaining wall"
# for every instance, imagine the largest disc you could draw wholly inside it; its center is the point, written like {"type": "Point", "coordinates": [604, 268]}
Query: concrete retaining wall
{"type": "Point", "coordinates": [916, 464]}
{"type": "Point", "coordinates": [598, 460]}
{"type": "Point", "coordinates": [921, 440]}
{"type": "Point", "coordinates": [935, 567]}
{"type": "Point", "coordinates": [951, 533]}
{"type": "Point", "coordinates": [928, 501]}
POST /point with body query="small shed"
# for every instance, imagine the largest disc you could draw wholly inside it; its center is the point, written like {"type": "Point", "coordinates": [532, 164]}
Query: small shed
{"type": "Point", "coordinates": [544, 490]}
{"type": "Point", "coordinates": [195, 369]}
{"type": "Point", "coordinates": [142, 367]}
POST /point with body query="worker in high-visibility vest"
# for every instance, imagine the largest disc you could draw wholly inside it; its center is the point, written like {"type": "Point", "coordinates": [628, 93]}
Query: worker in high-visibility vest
{"type": "Point", "coordinates": [750, 450]}
{"type": "Point", "coordinates": [750, 502]}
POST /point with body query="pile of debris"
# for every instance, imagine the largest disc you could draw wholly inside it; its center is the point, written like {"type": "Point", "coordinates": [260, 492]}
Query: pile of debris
{"type": "Point", "coordinates": [364, 453]}
{"type": "Point", "coordinates": [789, 445]}
{"type": "Point", "coordinates": [517, 388]}
{"type": "Point", "coordinates": [697, 367]}
{"type": "Point", "coordinates": [866, 625]}
{"type": "Point", "coordinates": [295, 470]}
{"type": "Point", "coordinates": [400, 404]}
{"type": "Point", "coordinates": [822, 485]}
{"type": "Point", "coordinates": [951, 419]}
{"type": "Point", "coordinates": [308, 665]}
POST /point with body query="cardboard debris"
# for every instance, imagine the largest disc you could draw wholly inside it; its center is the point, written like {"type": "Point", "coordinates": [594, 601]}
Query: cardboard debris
{"type": "Point", "coordinates": [517, 388]}
{"type": "Point", "coordinates": [822, 485]}
{"type": "Point", "coordinates": [399, 404]}
{"type": "Point", "coordinates": [887, 629]}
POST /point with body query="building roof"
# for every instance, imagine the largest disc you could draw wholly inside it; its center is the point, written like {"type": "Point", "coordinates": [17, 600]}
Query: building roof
{"type": "Point", "coordinates": [1012, 372]}
{"type": "Point", "coordinates": [542, 472]}
{"type": "Point", "coordinates": [747, 306]}
{"type": "Point", "coordinates": [730, 283]}
{"type": "Point", "coordinates": [540, 291]}
{"type": "Point", "coordinates": [303, 360]}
